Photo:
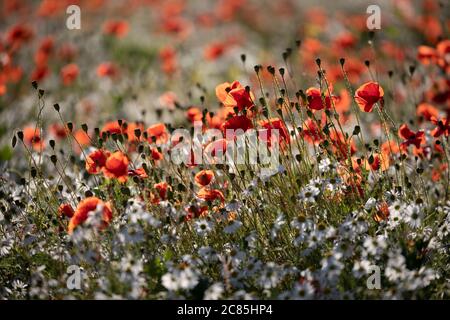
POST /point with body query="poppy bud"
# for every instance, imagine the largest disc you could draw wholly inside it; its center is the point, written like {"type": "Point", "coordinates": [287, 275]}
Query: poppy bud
{"type": "Point", "coordinates": [34, 84]}
{"type": "Point", "coordinates": [20, 135]}
{"type": "Point", "coordinates": [70, 126]}
{"type": "Point", "coordinates": [52, 144]}
{"type": "Point", "coordinates": [56, 107]}
{"type": "Point", "coordinates": [342, 61]}
{"type": "Point", "coordinates": [84, 127]}
{"type": "Point", "coordinates": [243, 58]}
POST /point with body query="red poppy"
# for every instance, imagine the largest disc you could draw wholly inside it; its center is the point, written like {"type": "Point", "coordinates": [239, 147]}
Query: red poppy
{"type": "Point", "coordinates": [156, 155]}
{"type": "Point", "coordinates": [161, 188]}
{"type": "Point", "coordinates": [85, 207]}
{"type": "Point", "coordinates": [116, 166]}
{"type": "Point", "coordinates": [96, 161]}
{"type": "Point", "coordinates": [139, 172]}
{"type": "Point", "coordinates": [111, 128]}
{"type": "Point", "coordinates": [236, 123]}
{"type": "Point", "coordinates": [107, 69]}
{"type": "Point", "coordinates": [315, 99]}
{"type": "Point", "coordinates": [410, 137]}
{"type": "Point", "coordinates": [311, 132]}
{"type": "Point", "coordinates": [66, 210]}
{"type": "Point", "coordinates": [341, 146]}
{"type": "Point", "coordinates": [69, 73]}
{"type": "Point", "coordinates": [117, 28]}
{"type": "Point", "coordinates": [204, 177]}
{"type": "Point", "coordinates": [274, 124]}
{"type": "Point", "coordinates": [196, 212]}
{"type": "Point", "coordinates": [442, 127]}
{"type": "Point", "coordinates": [368, 94]}
{"type": "Point", "coordinates": [215, 50]}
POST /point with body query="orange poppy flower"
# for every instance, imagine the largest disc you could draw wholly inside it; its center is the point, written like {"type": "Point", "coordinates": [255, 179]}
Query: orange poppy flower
{"type": "Point", "coordinates": [107, 69]}
{"type": "Point", "coordinates": [117, 28]}
{"type": "Point", "coordinates": [88, 205]}
{"type": "Point", "coordinates": [111, 127]}
{"type": "Point", "coordinates": [96, 161]}
{"type": "Point", "coordinates": [234, 95]}
{"type": "Point", "coordinates": [65, 210]}
{"type": "Point", "coordinates": [116, 166]}
{"type": "Point", "coordinates": [204, 177]}
{"type": "Point", "coordinates": [427, 111]}
{"type": "Point", "coordinates": [156, 155]}
{"type": "Point", "coordinates": [139, 172]}
{"type": "Point", "coordinates": [210, 194]}
{"type": "Point", "coordinates": [32, 137]}
{"type": "Point", "coordinates": [158, 132]}
{"type": "Point", "coordinates": [368, 94]}
{"type": "Point", "coordinates": [69, 73]}
{"type": "Point", "coordinates": [426, 55]}
{"type": "Point", "coordinates": [194, 114]}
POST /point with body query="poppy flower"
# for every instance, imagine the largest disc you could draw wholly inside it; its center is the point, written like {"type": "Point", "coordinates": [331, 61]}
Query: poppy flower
{"type": "Point", "coordinates": [161, 188]}
{"type": "Point", "coordinates": [270, 125]}
{"type": "Point", "coordinates": [139, 172]}
{"type": "Point", "coordinates": [211, 195]}
{"type": "Point", "coordinates": [116, 28]}
{"type": "Point", "coordinates": [315, 99]}
{"type": "Point", "coordinates": [215, 149]}
{"type": "Point", "coordinates": [65, 210]}
{"type": "Point", "coordinates": [96, 161]}
{"type": "Point", "coordinates": [341, 147]}
{"type": "Point", "coordinates": [426, 54]}
{"type": "Point", "coordinates": [17, 35]}
{"type": "Point", "coordinates": [194, 114]}
{"type": "Point", "coordinates": [389, 147]}
{"type": "Point", "coordinates": [368, 94]}
{"type": "Point", "coordinates": [156, 155]}
{"type": "Point", "coordinates": [59, 131]}
{"type": "Point", "coordinates": [82, 139]}
{"type": "Point", "coordinates": [116, 166]}
{"type": "Point", "coordinates": [379, 162]}
{"type": "Point", "coordinates": [311, 132]}
{"type": "Point", "coordinates": [39, 73]}
{"type": "Point", "coordinates": [107, 69]}
{"type": "Point", "coordinates": [410, 137]}
{"type": "Point", "coordinates": [427, 111]}
{"type": "Point", "coordinates": [236, 123]}
{"type": "Point", "coordinates": [204, 177]}
{"type": "Point", "coordinates": [169, 61]}
{"type": "Point", "coordinates": [111, 128]}
{"type": "Point", "coordinates": [215, 50]}
{"type": "Point", "coordinates": [158, 132]}
{"type": "Point", "coordinates": [85, 207]}
{"type": "Point", "coordinates": [196, 212]}
{"type": "Point", "coordinates": [69, 73]}
{"type": "Point", "coordinates": [130, 130]}
{"type": "Point", "coordinates": [235, 95]}
{"type": "Point", "coordinates": [442, 127]}
{"type": "Point", "coordinates": [32, 137]}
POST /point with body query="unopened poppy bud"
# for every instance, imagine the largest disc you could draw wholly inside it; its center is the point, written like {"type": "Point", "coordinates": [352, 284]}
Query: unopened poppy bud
{"type": "Point", "coordinates": [318, 62]}
{"type": "Point", "coordinates": [34, 84]}
{"type": "Point", "coordinates": [256, 68]}
{"type": "Point", "coordinates": [56, 107]}
{"type": "Point", "coordinates": [390, 73]}
{"type": "Point", "coordinates": [243, 58]}
{"type": "Point", "coordinates": [53, 158]}
{"type": "Point", "coordinates": [412, 69]}
{"type": "Point", "coordinates": [33, 172]}
{"type": "Point", "coordinates": [20, 135]}
{"type": "Point", "coordinates": [367, 63]}
{"type": "Point", "coordinates": [14, 141]}
{"type": "Point", "coordinates": [52, 144]}
{"type": "Point", "coordinates": [342, 61]}
{"type": "Point", "coordinates": [84, 127]}
{"type": "Point", "coordinates": [70, 126]}
{"type": "Point", "coordinates": [41, 93]}
{"type": "Point", "coordinates": [281, 71]}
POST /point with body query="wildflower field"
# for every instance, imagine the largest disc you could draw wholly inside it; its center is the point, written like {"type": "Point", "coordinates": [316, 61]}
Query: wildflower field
{"type": "Point", "coordinates": [230, 149]}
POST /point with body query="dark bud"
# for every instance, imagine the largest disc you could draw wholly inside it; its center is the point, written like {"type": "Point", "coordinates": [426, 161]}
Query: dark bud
{"type": "Point", "coordinates": [298, 157]}
{"type": "Point", "coordinates": [120, 122]}
{"type": "Point", "coordinates": [243, 58]}
{"type": "Point", "coordinates": [357, 130]}
{"type": "Point", "coordinates": [318, 62]}
{"type": "Point", "coordinates": [70, 126]}
{"type": "Point", "coordinates": [60, 187]}
{"type": "Point", "coordinates": [33, 172]}
{"type": "Point", "coordinates": [390, 73]}
{"type": "Point", "coordinates": [41, 93]}
{"type": "Point", "coordinates": [52, 144]}
{"type": "Point", "coordinates": [84, 126]}
{"type": "Point", "coordinates": [159, 113]}
{"type": "Point", "coordinates": [281, 70]}
{"type": "Point", "coordinates": [14, 141]}
{"type": "Point", "coordinates": [137, 133]}
{"type": "Point", "coordinates": [257, 68]}
{"type": "Point", "coordinates": [56, 106]}
{"type": "Point", "coordinates": [247, 89]}
{"type": "Point", "coordinates": [298, 43]}
{"type": "Point", "coordinates": [419, 170]}
{"type": "Point", "coordinates": [53, 158]}
{"type": "Point", "coordinates": [88, 193]}
{"type": "Point", "coordinates": [97, 131]}
{"type": "Point", "coordinates": [35, 85]}
{"type": "Point", "coordinates": [342, 61]}
{"type": "Point", "coordinates": [367, 63]}
{"type": "Point", "coordinates": [376, 142]}
{"type": "Point", "coordinates": [371, 159]}
{"type": "Point", "coordinates": [20, 135]}
{"type": "Point", "coordinates": [411, 70]}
